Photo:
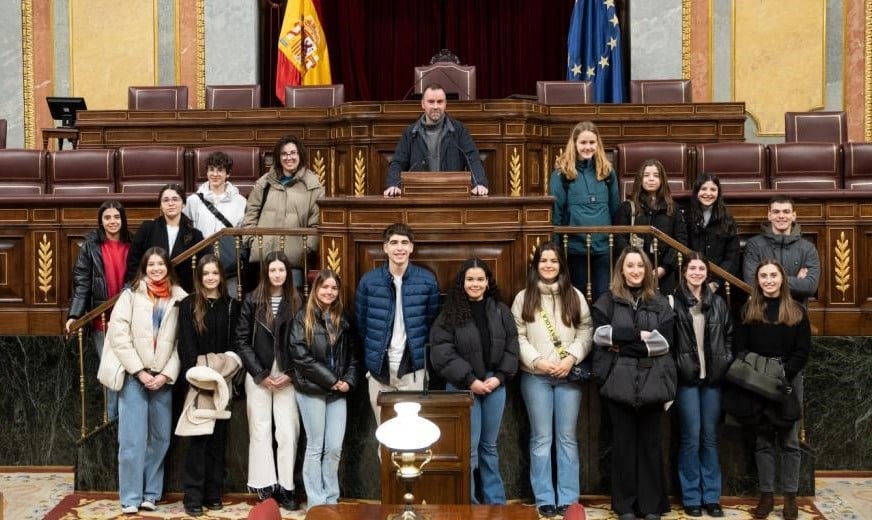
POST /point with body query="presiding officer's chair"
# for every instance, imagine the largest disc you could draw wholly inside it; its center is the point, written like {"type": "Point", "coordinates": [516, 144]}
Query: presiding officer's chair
{"type": "Point", "coordinates": [446, 71]}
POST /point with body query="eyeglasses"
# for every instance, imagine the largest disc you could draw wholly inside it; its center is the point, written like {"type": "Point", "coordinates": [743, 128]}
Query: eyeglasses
{"type": "Point", "coordinates": [168, 200]}
{"type": "Point", "coordinates": [287, 155]}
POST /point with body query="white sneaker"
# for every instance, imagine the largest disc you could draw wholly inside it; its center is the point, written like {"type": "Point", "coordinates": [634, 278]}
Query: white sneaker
{"type": "Point", "coordinates": [129, 510]}
{"type": "Point", "coordinates": [148, 505]}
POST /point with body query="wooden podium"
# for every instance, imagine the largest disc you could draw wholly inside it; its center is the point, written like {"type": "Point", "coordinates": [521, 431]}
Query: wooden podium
{"type": "Point", "coordinates": [445, 479]}
{"type": "Point", "coordinates": [438, 184]}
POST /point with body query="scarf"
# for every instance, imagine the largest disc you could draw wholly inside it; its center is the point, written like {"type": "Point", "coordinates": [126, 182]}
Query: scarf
{"type": "Point", "coordinates": [159, 289]}
{"type": "Point", "coordinates": [159, 292]}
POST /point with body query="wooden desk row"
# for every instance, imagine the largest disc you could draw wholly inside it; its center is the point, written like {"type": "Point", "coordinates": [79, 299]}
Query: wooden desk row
{"type": "Point", "coordinates": [351, 145]}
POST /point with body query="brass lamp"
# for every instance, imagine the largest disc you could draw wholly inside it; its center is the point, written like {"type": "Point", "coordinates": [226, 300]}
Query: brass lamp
{"type": "Point", "coordinates": [408, 436]}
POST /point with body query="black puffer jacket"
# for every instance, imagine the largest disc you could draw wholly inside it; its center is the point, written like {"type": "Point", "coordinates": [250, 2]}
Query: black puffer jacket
{"type": "Point", "coordinates": [89, 278]}
{"type": "Point", "coordinates": [153, 233]}
{"type": "Point", "coordinates": [721, 248]}
{"type": "Point", "coordinates": [457, 353]}
{"type": "Point", "coordinates": [718, 340]}
{"type": "Point", "coordinates": [259, 345]}
{"type": "Point", "coordinates": [319, 365]}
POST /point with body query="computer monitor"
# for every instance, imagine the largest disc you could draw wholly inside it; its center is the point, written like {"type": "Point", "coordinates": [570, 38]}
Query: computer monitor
{"type": "Point", "coordinates": [64, 108]}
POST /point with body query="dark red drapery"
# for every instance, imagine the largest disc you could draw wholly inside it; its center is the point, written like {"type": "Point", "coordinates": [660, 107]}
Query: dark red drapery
{"type": "Point", "coordinates": [376, 44]}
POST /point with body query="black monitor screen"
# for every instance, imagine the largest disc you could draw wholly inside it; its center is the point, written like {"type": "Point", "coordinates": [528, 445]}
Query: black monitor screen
{"type": "Point", "coordinates": [64, 108]}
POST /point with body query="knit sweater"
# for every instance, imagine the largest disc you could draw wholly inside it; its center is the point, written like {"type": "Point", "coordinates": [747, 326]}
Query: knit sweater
{"type": "Point", "coordinates": [791, 343]}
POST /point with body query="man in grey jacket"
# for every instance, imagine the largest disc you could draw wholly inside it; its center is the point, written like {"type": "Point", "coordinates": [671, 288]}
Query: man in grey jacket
{"type": "Point", "coordinates": [781, 240]}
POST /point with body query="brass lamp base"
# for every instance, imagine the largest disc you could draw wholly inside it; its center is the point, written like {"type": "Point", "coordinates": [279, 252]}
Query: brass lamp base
{"type": "Point", "coordinates": [409, 513]}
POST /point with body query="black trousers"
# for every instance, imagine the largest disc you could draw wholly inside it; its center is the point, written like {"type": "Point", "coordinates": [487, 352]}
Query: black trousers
{"type": "Point", "coordinates": [204, 466]}
{"type": "Point", "coordinates": [637, 463]}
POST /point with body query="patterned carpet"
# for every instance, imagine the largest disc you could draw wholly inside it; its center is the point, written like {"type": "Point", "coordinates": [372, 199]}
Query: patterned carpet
{"type": "Point", "coordinates": [47, 493]}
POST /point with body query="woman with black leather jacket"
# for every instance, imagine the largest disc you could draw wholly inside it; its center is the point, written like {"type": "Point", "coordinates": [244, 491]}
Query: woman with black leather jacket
{"type": "Point", "coordinates": [326, 365]}
{"type": "Point", "coordinates": [99, 275]}
{"type": "Point", "coordinates": [703, 352]}
{"type": "Point", "coordinates": [262, 343]}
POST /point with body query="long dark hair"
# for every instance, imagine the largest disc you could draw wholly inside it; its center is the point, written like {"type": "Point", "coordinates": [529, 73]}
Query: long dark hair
{"type": "Point", "coordinates": [201, 303]}
{"type": "Point", "coordinates": [682, 281]}
{"type": "Point", "coordinates": [277, 154]}
{"type": "Point", "coordinates": [456, 308]}
{"type": "Point", "coordinates": [124, 233]}
{"type": "Point", "coordinates": [569, 298]}
{"type": "Point", "coordinates": [262, 292]}
{"type": "Point", "coordinates": [789, 311]}
{"type": "Point", "coordinates": [726, 226]}
{"type": "Point", "coordinates": [143, 265]}
{"type": "Point", "coordinates": [640, 196]}
{"type": "Point", "coordinates": [619, 283]}
{"type": "Point", "coordinates": [312, 304]}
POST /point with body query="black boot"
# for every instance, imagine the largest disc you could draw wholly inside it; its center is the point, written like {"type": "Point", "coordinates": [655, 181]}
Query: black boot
{"type": "Point", "coordinates": [264, 493]}
{"type": "Point", "coordinates": [287, 499]}
{"type": "Point", "coordinates": [790, 511]}
{"type": "Point", "coordinates": [764, 506]}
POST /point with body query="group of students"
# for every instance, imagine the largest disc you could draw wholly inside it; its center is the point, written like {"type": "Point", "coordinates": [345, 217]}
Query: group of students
{"type": "Point", "coordinates": [689, 332]}
{"type": "Point", "coordinates": [301, 359]}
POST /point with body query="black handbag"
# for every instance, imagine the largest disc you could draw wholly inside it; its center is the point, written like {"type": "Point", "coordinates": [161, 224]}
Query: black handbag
{"type": "Point", "coordinates": [762, 375]}
{"type": "Point", "coordinates": [582, 372]}
{"type": "Point", "coordinates": [641, 381]}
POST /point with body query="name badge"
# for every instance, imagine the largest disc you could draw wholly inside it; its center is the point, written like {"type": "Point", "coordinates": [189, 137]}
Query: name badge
{"type": "Point", "coordinates": [593, 198]}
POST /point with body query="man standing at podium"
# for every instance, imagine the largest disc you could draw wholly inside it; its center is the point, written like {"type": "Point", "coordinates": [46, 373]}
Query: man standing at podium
{"type": "Point", "coordinates": [395, 305]}
{"type": "Point", "coordinates": [436, 143]}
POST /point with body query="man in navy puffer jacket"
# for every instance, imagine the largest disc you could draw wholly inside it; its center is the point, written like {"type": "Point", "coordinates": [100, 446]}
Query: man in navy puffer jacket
{"type": "Point", "coordinates": [395, 305]}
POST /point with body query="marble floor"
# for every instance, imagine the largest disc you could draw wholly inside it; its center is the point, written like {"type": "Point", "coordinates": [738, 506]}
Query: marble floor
{"type": "Point", "coordinates": [30, 493]}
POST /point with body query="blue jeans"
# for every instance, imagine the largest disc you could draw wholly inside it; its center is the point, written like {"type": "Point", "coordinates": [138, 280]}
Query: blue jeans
{"type": "Point", "coordinates": [324, 421]}
{"type": "Point", "coordinates": [99, 336]}
{"type": "Point", "coordinates": [699, 471]}
{"type": "Point", "coordinates": [144, 429]}
{"type": "Point", "coordinates": [553, 409]}
{"type": "Point", "coordinates": [600, 273]}
{"type": "Point", "coordinates": [485, 420]}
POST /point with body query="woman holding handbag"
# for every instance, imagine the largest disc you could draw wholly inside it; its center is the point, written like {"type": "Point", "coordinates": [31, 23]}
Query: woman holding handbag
{"type": "Point", "coordinates": [326, 369]}
{"type": "Point", "coordinates": [554, 333]}
{"type": "Point", "coordinates": [651, 204]}
{"type": "Point", "coordinates": [774, 325]}
{"type": "Point", "coordinates": [633, 329]}
{"type": "Point", "coordinates": [703, 352]}
{"type": "Point", "coordinates": [474, 346]}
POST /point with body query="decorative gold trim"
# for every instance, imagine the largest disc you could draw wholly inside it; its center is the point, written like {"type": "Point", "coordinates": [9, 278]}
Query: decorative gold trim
{"type": "Point", "coordinates": [27, 70]}
{"type": "Point", "coordinates": [546, 171]}
{"type": "Point", "coordinates": [867, 62]}
{"type": "Point", "coordinates": [334, 259]}
{"type": "Point", "coordinates": [710, 50]}
{"type": "Point", "coordinates": [359, 175]}
{"type": "Point", "coordinates": [155, 18]}
{"type": "Point", "coordinates": [515, 173]}
{"type": "Point", "coordinates": [842, 269]}
{"type": "Point", "coordinates": [534, 246]}
{"type": "Point", "coordinates": [177, 37]}
{"type": "Point", "coordinates": [685, 38]}
{"type": "Point", "coordinates": [45, 274]}
{"type": "Point", "coordinates": [319, 166]}
{"type": "Point", "coordinates": [332, 171]}
{"type": "Point", "coordinates": [201, 54]}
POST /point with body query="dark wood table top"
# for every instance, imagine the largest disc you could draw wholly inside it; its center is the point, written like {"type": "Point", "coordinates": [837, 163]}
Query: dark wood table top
{"type": "Point", "coordinates": [432, 512]}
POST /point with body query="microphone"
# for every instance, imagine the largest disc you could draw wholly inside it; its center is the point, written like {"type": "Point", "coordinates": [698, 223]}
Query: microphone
{"type": "Point", "coordinates": [475, 183]}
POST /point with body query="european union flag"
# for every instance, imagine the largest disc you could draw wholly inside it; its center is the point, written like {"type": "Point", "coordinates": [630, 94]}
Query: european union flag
{"type": "Point", "coordinates": [594, 46]}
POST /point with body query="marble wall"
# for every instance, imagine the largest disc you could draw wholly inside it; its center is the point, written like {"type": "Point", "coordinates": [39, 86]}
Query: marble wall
{"type": "Point", "coordinates": [11, 79]}
{"type": "Point", "coordinates": [655, 39]}
{"type": "Point", "coordinates": [231, 42]}
{"type": "Point", "coordinates": [39, 422]}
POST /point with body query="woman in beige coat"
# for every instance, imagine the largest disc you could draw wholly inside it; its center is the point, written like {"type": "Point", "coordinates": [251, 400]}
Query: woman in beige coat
{"type": "Point", "coordinates": [142, 337]}
{"type": "Point", "coordinates": [554, 333]}
{"type": "Point", "coordinates": [285, 197]}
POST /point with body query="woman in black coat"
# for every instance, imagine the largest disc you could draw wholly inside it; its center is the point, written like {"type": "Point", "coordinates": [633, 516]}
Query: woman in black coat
{"type": "Point", "coordinates": [474, 346]}
{"type": "Point", "coordinates": [711, 230]}
{"type": "Point", "coordinates": [172, 231]}
{"type": "Point", "coordinates": [703, 352]}
{"type": "Point", "coordinates": [206, 326]}
{"type": "Point", "coordinates": [651, 204]}
{"type": "Point", "coordinates": [633, 325]}
{"type": "Point", "coordinates": [326, 368]}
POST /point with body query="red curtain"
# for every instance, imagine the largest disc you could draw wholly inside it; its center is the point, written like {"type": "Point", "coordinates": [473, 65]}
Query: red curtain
{"type": "Point", "coordinates": [376, 44]}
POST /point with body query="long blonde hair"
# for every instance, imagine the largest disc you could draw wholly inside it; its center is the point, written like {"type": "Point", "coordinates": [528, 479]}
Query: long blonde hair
{"type": "Point", "coordinates": [566, 161]}
{"type": "Point", "coordinates": [312, 304]}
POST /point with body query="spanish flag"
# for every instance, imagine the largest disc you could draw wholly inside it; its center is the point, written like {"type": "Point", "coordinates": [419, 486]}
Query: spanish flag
{"type": "Point", "coordinates": [303, 57]}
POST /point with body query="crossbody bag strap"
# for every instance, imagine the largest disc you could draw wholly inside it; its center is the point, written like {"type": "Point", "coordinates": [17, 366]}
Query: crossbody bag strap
{"type": "Point", "coordinates": [211, 207]}
{"type": "Point", "coordinates": [561, 350]}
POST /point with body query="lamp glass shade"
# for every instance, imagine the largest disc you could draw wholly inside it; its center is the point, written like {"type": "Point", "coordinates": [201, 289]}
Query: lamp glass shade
{"type": "Point", "coordinates": [407, 431]}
